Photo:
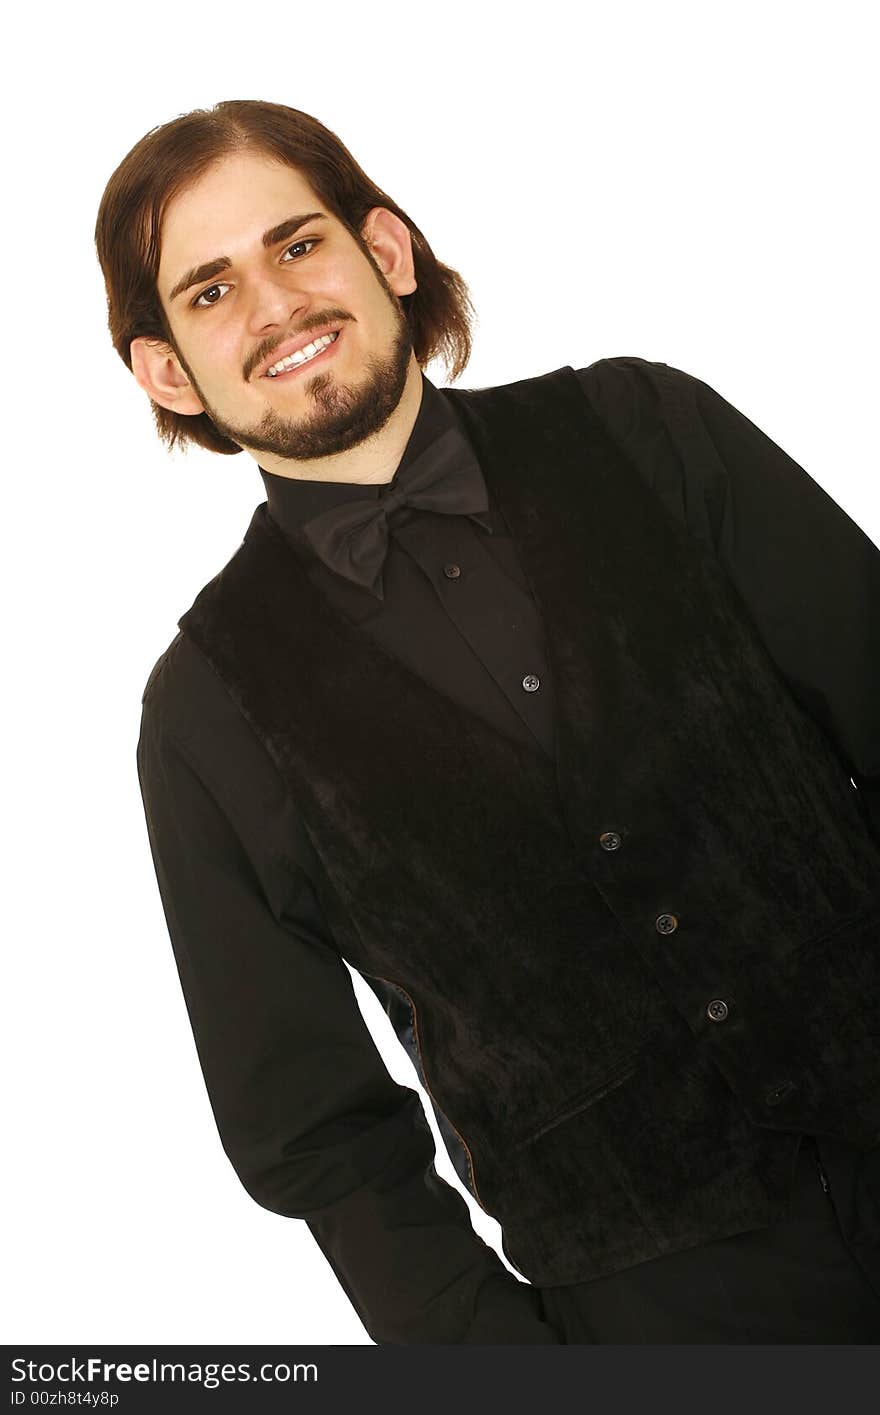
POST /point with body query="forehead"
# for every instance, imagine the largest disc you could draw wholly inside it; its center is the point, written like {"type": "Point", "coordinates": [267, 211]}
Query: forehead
{"type": "Point", "coordinates": [226, 210]}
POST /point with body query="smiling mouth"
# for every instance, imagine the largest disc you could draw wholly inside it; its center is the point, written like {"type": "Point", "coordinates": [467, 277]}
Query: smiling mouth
{"type": "Point", "coordinates": [316, 350]}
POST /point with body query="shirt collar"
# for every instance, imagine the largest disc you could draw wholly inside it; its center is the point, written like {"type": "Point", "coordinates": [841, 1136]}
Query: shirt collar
{"type": "Point", "coordinates": [291, 500]}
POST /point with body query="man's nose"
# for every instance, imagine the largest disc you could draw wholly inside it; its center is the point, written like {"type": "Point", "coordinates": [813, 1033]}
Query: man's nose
{"type": "Point", "coordinates": [273, 299]}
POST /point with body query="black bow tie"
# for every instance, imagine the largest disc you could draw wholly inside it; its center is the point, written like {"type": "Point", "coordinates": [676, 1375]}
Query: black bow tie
{"type": "Point", "coordinates": [352, 537]}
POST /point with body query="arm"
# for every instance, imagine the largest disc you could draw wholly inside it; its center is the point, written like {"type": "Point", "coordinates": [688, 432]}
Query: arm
{"type": "Point", "coordinates": [807, 574]}
{"type": "Point", "coordinates": [312, 1122]}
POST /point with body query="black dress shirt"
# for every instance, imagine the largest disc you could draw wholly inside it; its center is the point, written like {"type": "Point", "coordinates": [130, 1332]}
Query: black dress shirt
{"type": "Point", "coordinates": [278, 1029]}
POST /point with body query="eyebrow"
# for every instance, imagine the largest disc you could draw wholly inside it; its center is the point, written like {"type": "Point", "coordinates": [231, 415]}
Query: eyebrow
{"type": "Point", "coordinates": [210, 268]}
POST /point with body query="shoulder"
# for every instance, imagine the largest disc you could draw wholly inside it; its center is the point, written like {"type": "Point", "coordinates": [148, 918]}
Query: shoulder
{"type": "Point", "coordinates": [188, 713]}
{"type": "Point", "coordinates": [629, 392]}
{"type": "Point", "coordinates": [193, 731]}
{"type": "Point", "coordinates": [182, 692]}
{"type": "Point", "coordinates": [657, 414]}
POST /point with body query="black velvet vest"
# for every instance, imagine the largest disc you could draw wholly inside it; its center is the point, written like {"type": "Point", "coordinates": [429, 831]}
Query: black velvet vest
{"type": "Point", "coordinates": [635, 974]}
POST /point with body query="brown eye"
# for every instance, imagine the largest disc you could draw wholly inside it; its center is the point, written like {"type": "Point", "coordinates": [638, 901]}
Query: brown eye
{"type": "Point", "coordinates": [203, 302]}
{"type": "Point", "coordinates": [311, 241]}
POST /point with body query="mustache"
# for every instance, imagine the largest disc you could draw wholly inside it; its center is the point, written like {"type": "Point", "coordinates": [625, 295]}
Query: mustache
{"type": "Point", "coordinates": [269, 345]}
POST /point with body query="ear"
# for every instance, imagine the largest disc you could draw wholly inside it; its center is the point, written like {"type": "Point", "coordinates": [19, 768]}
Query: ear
{"type": "Point", "coordinates": [157, 369]}
{"type": "Point", "coordinates": [391, 247]}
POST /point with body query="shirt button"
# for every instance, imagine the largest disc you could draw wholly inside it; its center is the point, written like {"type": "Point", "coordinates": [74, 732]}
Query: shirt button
{"type": "Point", "coordinates": [610, 840]}
{"type": "Point", "coordinates": [452, 572]}
{"type": "Point", "coordinates": [666, 923]}
{"type": "Point", "coordinates": [531, 682]}
{"type": "Point", "coordinates": [717, 1010]}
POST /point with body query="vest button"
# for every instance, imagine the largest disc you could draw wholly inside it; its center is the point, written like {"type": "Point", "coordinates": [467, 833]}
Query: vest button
{"type": "Point", "coordinates": [452, 572]}
{"type": "Point", "coordinates": [531, 682]}
{"type": "Point", "coordinates": [666, 923]}
{"type": "Point", "coordinates": [717, 1010]}
{"type": "Point", "coordinates": [610, 840]}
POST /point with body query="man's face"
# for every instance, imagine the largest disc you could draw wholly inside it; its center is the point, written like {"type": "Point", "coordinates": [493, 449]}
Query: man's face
{"type": "Point", "coordinates": [230, 325]}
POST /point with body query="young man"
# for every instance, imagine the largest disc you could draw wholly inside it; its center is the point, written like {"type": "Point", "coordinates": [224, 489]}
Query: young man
{"type": "Point", "coordinates": [553, 710]}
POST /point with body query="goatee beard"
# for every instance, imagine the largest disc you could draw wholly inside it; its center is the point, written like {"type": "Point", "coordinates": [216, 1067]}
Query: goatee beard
{"type": "Point", "coordinates": [342, 416]}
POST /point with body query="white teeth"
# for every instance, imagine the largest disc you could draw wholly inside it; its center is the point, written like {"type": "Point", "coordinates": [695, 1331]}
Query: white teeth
{"type": "Point", "coordinates": [301, 356]}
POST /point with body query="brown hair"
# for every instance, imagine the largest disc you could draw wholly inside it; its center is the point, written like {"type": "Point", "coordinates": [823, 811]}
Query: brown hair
{"type": "Point", "coordinates": [173, 156]}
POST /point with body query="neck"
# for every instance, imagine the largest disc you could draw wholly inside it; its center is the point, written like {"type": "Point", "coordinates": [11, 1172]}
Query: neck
{"type": "Point", "coordinates": [374, 460]}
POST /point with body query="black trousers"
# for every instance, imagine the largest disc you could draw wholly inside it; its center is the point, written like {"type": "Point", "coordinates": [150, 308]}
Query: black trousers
{"type": "Point", "coordinates": [814, 1277]}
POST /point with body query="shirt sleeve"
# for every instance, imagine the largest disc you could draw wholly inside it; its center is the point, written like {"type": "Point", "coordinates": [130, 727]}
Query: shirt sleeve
{"type": "Point", "coordinates": [808, 575]}
{"type": "Point", "coordinates": [311, 1120]}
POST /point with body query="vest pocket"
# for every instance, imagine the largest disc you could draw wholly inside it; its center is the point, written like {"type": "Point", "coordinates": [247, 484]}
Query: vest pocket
{"type": "Point", "coordinates": [469, 1177]}
{"type": "Point", "coordinates": [621, 1071]}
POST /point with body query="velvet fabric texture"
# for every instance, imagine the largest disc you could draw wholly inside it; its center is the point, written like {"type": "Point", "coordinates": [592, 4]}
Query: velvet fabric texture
{"type": "Point", "coordinates": [562, 934]}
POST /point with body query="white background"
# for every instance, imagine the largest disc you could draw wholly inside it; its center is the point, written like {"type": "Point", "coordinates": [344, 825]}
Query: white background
{"type": "Point", "coordinates": [687, 182]}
